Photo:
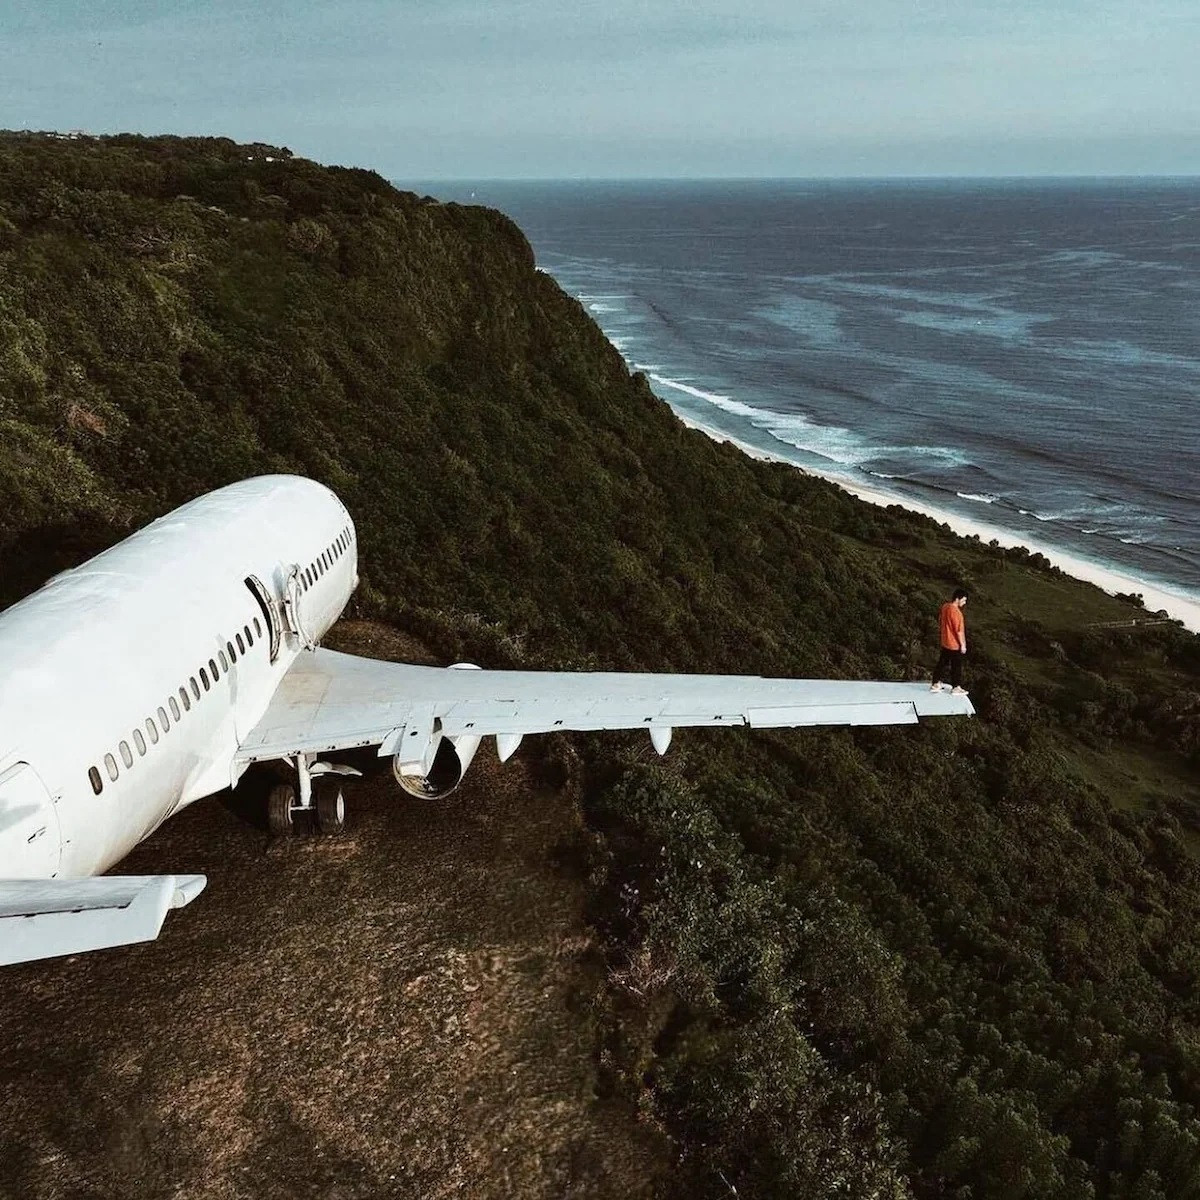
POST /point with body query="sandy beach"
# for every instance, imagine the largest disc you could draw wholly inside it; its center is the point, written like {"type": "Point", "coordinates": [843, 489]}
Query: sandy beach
{"type": "Point", "coordinates": [1181, 607]}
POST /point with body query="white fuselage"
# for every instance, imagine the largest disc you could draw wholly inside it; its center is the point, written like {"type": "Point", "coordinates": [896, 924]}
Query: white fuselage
{"type": "Point", "coordinates": [127, 684]}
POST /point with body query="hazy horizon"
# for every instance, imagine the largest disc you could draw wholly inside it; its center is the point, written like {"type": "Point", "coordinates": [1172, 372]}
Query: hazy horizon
{"type": "Point", "coordinates": [1046, 178]}
{"type": "Point", "coordinates": [517, 89]}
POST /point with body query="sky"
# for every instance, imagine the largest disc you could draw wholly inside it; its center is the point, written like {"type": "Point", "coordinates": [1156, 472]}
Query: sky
{"type": "Point", "coordinates": [496, 89]}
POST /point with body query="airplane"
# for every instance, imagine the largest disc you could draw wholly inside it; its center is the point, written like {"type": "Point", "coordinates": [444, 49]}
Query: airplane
{"type": "Point", "coordinates": [158, 672]}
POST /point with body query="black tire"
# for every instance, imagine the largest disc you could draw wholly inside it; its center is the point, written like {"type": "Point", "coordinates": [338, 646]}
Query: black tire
{"type": "Point", "coordinates": [280, 819]}
{"type": "Point", "coordinates": [331, 808]}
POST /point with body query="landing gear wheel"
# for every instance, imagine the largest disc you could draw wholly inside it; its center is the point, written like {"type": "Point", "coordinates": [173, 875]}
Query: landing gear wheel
{"type": "Point", "coordinates": [331, 808]}
{"type": "Point", "coordinates": [279, 809]}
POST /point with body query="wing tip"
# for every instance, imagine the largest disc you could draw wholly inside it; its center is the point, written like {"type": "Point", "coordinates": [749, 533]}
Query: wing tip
{"type": "Point", "coordinates": [187, 888]}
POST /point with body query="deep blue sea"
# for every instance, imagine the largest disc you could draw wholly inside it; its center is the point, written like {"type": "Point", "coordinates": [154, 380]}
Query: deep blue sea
{"type": "Point", "coordinates": [1025, 353]}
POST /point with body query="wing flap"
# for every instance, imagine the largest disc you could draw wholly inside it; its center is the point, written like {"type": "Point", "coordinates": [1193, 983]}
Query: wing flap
{"type": "Point", "coordinates": [46, 918]}
{"type": "Point", "coordinates": [330, 701]}
{"type": "Point", "coordinates": [892, 712]}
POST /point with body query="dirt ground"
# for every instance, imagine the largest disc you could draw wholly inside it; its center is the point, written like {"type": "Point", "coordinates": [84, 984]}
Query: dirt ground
{"type": "Point", "coordinates": [405, 1010]}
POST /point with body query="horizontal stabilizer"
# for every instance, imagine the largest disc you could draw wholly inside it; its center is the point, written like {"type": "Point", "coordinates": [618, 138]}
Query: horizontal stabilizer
{"type": "Point", "coordinates": [45, 918]}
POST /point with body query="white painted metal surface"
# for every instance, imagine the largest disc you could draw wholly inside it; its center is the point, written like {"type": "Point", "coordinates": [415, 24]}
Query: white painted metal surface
{"type": "Point", "coordinates": [51, 917]}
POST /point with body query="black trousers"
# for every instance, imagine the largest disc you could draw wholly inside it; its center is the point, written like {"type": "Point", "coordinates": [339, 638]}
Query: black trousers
{"type": "Point", "coordinates": [950, 663]}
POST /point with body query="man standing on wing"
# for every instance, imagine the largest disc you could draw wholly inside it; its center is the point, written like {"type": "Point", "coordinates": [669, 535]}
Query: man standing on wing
{"type": "Point", "coordinates": [953, 630]}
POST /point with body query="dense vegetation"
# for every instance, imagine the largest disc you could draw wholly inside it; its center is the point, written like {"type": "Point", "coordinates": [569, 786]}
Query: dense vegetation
{"type": "Point", "coordinates": [960, 959]}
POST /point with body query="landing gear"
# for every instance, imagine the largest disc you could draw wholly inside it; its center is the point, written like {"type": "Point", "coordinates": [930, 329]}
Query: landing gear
{"type": "Point", "coordinates": [319, 792]}
{"type": "Point", "coordinates": [280, 805]}
{"type": "Point", "coordinates": [331, 808]}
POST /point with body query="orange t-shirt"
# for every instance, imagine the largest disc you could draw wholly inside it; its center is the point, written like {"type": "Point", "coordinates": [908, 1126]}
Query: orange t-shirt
{"type": "Point", "coordinates": [952, 626]}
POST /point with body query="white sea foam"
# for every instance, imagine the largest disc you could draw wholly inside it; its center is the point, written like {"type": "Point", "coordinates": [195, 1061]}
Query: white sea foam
{"type": "Point", "coordinates": [832, 442]}
{"type": "Point", "coordinates": [792, 429]}
{"type": "Point", "coordinates": [688, 390]}
{"type": "Point", "coordinates": [979, 498]}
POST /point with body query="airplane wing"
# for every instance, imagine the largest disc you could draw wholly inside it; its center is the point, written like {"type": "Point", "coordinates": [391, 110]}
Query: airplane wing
{"type": "Point", "coordinates": [45, 918]}
{"type": "Point", "coordinates": [329, 701]}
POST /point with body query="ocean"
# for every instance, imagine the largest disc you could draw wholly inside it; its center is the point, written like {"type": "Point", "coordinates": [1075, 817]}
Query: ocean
{"type": "Point", "coordinates": [1020, 353]}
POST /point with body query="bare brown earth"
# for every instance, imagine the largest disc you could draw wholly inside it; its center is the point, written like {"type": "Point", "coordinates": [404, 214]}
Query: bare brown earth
{"type": "Point", "coordinates": [406, 1010]}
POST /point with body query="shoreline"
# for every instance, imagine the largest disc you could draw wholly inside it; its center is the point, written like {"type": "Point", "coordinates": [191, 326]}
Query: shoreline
{"type": "Point", "coordinates": [1180, 607]}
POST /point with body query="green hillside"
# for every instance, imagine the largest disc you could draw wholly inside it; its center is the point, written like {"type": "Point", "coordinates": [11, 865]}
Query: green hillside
{"type": "Point", "coordinates": [959, 960]}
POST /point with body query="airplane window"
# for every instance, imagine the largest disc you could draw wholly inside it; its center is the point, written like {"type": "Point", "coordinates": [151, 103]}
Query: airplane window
{"type": "Point", "coordinates": [110, 765]}
{"type": "Point", "coordinates": [257, 628]}
{"type": "Point", "coordinates": [232, 652]}
{"type": "Point", "coordinates": [139, 741]}
{"type": "Point", "coordinates": [126, 754]}
{"type": "Point", "coordinates": [249, 635]}
{"type": "Point", "coordinates": [96, 781]}
{"type": "Point", "coordinates": [152, 730]}
{"type": "Point", "coordinates": [162, 719]}
{"type": "Point", "coordinates": [241, 644]}
{"type": "Point", "coordinates": [175, 704]}
{"type": "Point", "coordinates": [321, 565]}
{"type": "Point", "coordinates": [212, 668]}
{"type": "Point", "coordinates": [187, 703]}
{"type": "Point", "coordinates": [204, 679]}
{"type": "Point", "coordinates": [224, 663]}
{"type": "Point", "coordinates": [196, 687]}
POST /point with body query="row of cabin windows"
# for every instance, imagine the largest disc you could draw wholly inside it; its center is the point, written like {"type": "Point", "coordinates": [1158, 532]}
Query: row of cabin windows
{"type": "Point", "coordinates": [158, 728]}
{"type": "Point", "coordinates": [327, 558]}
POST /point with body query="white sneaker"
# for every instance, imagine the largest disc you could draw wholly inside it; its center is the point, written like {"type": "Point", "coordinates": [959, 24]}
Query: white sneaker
{"type": "Point", "coordinates": [958, 692]}
{"type": "Point", "coordinates": [935, 687]}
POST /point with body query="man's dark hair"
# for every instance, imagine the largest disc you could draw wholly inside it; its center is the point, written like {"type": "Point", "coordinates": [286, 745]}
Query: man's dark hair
{"type": "Point", "coordinates": [960, 593]}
